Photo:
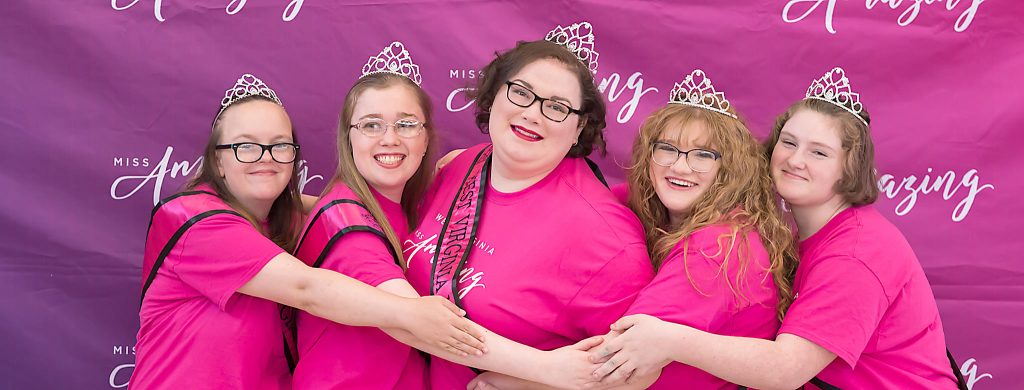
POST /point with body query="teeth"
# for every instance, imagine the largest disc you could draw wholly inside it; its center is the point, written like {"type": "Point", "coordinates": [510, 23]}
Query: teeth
{"type": "Point", "coordinates": [683, 183]}
{"type": "Point", "coordinates": [526, 134]}
{"type": "Point", "coordinates": [389, 159]}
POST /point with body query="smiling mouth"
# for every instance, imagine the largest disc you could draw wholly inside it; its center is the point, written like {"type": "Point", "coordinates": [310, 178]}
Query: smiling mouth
{"type": "Point", "coordinates": [525, 134]}
{"type": "Point", "coordinates": [680, 183]}
{"type": "Point", "coordinates": [793, 175]}
{"type": "Point", "coordinates": [389, 160]}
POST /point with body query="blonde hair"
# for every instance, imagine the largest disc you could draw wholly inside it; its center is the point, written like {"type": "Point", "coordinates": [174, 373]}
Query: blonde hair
{"type": "Point", "coordinates": [347, 173]}
{"type": "Point", "coordinates": [741, 197]}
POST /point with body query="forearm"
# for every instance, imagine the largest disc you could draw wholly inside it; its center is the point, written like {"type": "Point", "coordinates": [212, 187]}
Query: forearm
{"type": "Point", "coordinates": [344, 300]}
{"type": "Point", "coordinates": [503, 355]}
{"type": "Point", "coordinates": [507, 382]}
{"type": "Point", "coordinates": [751, 362]}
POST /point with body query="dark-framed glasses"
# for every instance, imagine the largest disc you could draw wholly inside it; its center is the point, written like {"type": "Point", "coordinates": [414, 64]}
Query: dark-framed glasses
{"type": "Point", "coordinates": [699, 160]}
{"type": "Point", "coordinates": [250, 152]}
{"type": "Point", "coordinates": [551, 109]}
{"type": "Point", "coordinates": [374, 127]}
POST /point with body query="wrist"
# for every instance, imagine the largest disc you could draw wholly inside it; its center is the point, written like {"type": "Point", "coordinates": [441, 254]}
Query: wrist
{"type": "Point", "coordinates": [681, 343]}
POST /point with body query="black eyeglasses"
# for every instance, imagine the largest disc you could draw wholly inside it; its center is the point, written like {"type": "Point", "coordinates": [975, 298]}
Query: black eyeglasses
{"type": "Point", "coordinates": [250, 152]}
{"type": "Point", "coordinates": [699, 160]}
{"type": "Point", "coordinates": [551, 109]}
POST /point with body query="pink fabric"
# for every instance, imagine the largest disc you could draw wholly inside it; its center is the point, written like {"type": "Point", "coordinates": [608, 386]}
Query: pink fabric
{"type": "Point", "coordinates": [335, 356]}
{"type": "Point", "coordinates": [553, 264]}
{"type": "Point", "coordinates": [862, 295]}
{"type": "Point", "coordinates": [621, 192]}
{"type": "Point", "coordinates": [196, 330]}
{"type": "Point", "coordinates": [672, 297]}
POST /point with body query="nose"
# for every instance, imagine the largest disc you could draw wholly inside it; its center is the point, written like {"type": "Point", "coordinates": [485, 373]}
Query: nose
{"type": "Point", "coordinates": [532, 113]}
{"type": "Point", "coordinates": [390, 136]}
{"type": "Point", "coordinates": [681, 166]}
{"type": "Point", "coordinates": [796, 159]}
{"type": "Point", "coordinates": [266, 157]}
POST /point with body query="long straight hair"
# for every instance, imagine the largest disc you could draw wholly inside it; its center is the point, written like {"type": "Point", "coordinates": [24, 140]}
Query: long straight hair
{"type": "Point", "coordinates": [741, 196]}
{"type": "Point", "coordinates": [347, 173]}
{"type": "Point", "coordinates": [285, 212]}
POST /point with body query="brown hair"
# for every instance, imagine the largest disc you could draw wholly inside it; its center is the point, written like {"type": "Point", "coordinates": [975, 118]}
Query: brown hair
{"type": "Point", "coordinates": [506, 64]}
{"type": "Point", "coordinates": [741, 196]}
{"type": "Point", "coordinates": [286, 211]}
{"type": "Point", "coordinates": [347, 173]}
{"type": "Point", "coordinates": [858, 185]}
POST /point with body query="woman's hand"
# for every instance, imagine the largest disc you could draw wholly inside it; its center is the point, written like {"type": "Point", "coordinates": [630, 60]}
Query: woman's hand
{"type": "Point", "coordinates": [437, 321]}
{"type": "Point", "coordinates": [639, 351]}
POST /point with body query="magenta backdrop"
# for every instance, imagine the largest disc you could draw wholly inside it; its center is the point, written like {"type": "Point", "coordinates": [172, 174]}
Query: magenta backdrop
{"type": "Point", "coordinates": [105, 105]}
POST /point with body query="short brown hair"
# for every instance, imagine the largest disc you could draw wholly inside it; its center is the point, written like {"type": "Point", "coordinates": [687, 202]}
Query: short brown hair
{"type": "Point", "coordinates": [859, 184]}
{"type": "Point", "coordinates": [506, 64]}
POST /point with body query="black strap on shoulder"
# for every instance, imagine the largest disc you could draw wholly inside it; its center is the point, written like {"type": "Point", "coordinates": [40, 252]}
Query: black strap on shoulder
{"type": "Point", "coordinates": [597, 171]}
{"type": "Point", "coordinates": [168, 200]}
{"type": "Point", "coordinates": [961, 384]}
{"type": "Point", "coordinates": [357, 228]}
{"type": "Point", "coordinates": [287, 313]}
{"type": "Point", "coordinates": [174, 240]}
{"type": "Point", "coordinates": [324, 209]}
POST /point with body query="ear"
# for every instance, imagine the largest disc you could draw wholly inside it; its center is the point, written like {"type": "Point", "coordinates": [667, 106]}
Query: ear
{"type": "Point", "coordinates": [579, 128]}
{"type": "Point", "coordinates": [220, 168]}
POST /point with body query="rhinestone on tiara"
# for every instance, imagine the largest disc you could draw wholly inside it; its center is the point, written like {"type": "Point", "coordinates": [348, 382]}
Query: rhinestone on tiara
{"type": "Point", "coordinates": [834, 88]}
{"type": "Point", "coordinates": [696, 90]}
{"type": "Point", "coordinates": [246, 86]}
{"type": "Point", "coordinates": [579, 39]}
{"type": "Point", "coordinates": [393, 59]}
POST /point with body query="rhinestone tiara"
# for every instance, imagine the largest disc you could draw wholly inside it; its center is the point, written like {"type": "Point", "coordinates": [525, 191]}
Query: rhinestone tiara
{"type": "Point", "coordinates": [834, 88]}
{"type": "Point", "coordinates": [393, 59]}
{"type": "Point", "coordinates": [247, 86]}
{"type": "Point", "coordinates": [579, 39]}
{"type": "Point", "coordinates": [696, 90]}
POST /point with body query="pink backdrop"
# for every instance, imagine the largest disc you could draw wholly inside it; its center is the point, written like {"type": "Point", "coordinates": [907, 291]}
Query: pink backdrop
{"type": "Point", "coordinates": [105, 105]}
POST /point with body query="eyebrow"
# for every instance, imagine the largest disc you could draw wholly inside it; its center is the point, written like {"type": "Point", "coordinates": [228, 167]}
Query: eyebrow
{"type": "Point", "coordinates": [250, 137]}
{"type": "Point", "coordinates": [786, 133]}
{"type": "Point", "coordinates": [374, 115]}
{"type": "Point", "coordinates": [559, 98]}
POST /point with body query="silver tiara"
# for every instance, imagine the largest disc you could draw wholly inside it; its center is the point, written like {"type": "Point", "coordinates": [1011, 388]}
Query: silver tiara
{"type": "Point", "coordinates": [246, 86]}
{"type": "Point", "coordinates": [579, 39]}
{"type": "Point", "coordinates": [834, 88]}
{"type": "Point", "coordinates": [393, 59]}
{"type": "Point", "coordinates": [696, 90]}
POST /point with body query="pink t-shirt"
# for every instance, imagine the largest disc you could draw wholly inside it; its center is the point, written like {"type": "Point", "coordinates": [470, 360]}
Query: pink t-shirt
{"type": "Point", "coordinates": [621, 192]}
{"type": "Point", "coordinates": [553, 264]}
{"type": "Point", "coordinates": [196, 330]}
{"type": "Point", "coordinates": [862, 295]}
{"type": "Point", "coordinates": [714, 308]}
{"type": "Point", "coordinates": [335, 356]}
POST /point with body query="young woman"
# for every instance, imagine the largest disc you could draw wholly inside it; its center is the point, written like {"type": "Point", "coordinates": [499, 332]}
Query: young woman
{"type": "Point", "coordinates": [860, 293]}
{"type": "Point", "coordinates": [216, 264]}
{"type": "Point", "coordinates": [358, 224]}
{"type": "Point", "coordinates": [724, 256]}
{"type": "Point", "coordinates": [521, 232]}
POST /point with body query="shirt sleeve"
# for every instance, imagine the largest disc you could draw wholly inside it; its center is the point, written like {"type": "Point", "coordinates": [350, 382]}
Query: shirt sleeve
{"type": "Point", "coordinates": [363, 256]}
{"type": "Point", "coordinates": [692, 289]}
{"type": "Point", "coordinates": [610, 291]}
{"type": "Point", "coordinates": [220, 254]}
{"type": "Point", "coordinates": [838, 307]}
